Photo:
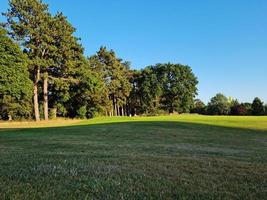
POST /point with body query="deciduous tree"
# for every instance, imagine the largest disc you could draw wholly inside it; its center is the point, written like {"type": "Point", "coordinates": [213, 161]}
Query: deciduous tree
{"type": "Point", "coordinates": [257, 107]}
{"type": "Point", "coordinates": [15, 84]}
{"type": "Point", "coordinates": [218, 105]}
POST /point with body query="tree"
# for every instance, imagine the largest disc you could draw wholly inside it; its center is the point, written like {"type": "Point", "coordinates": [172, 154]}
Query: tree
{"type": "Point", "coordinates": [68, 62]}
{"type": "Point", "coordinates": [168, 87]}
{"type": "Point", "coordinates": [218, 105]}
{"type": "Point", "coordinates": [29, 23]}
{"type": "Point", "coordinates": [150, 90]}
{"type": "Point", "coordinates": [179, 88]}
{"type": "Point", "coordinates": [134, 99]}
{"type": "Point", "coordinates": [244, 109]}
{"type": "Point", "coordinates": [90, 95]}
{"type": "Point", "coordinates": [56, 55]}
{"type": "Point", "coordinates": [257, 107]}
{"type": "Point", "coordinates": [15, 85]}
{"type": "Point", "coordinates": [115, 75]}
{"type": "Point", "coordinates": [265, 109]}
{"type": "Point", "coordinates": [234, 107]}
{"type": "Point", "coordinates": [199, 107]}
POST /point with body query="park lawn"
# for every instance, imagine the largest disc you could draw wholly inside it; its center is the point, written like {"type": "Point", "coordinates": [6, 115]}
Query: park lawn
{"type": "Point", "coordinates": [168, 157]}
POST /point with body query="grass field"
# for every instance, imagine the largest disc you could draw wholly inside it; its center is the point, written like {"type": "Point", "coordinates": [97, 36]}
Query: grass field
{"type": "Point", "coordinates": [171, 157]}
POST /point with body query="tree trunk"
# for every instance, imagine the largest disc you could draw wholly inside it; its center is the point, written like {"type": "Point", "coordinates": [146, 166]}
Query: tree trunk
{"type": "Point", "coordinates": [45, 97]}
{"type": "Point", "coordinates": [35, 95]}
{"type": "Point", "coordinates": [122, 111]}
{"type": "Point", "coordinates": [9, 117]}
{"type": "Point", "coordinates": [115, 109]}
{"type": "Point", "coordinates": [53, 113]}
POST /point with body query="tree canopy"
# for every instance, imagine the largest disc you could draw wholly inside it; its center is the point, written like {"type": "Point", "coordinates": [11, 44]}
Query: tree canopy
{"type": "Point", "coordinates": [219, 105]}
{"type": "Point", "coordinates": [15, 84]}
{"type": "Point", "coordinates": [257, 107]}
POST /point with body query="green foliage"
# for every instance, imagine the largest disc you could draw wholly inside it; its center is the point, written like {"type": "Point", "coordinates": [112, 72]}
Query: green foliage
{"type": "Point", "coordinates": [199, 107]}
{"type": "Point", "coordinates": [55, 54]}
{"type": "Point", "coordinates": [234, 107]}
{"type": "Point", "coordinates": [68, 62]}
{"type": "Point", "coordinates": [248, 108]}
{"type": "Point", "coordinates": [82, 111]}
{"type": "Point", "coordinates": [179, 88]}
{"type": "Point", "coordinates": [114, 74]}
{"type": "Point", "coordinates": [167, 87]}
{"type": "Point", "coordinates": [29, 23]}
{"type": "Point", "coordinates": [15, 85]}
{"type": "Point", "coordinates": [257, 107]}
{"type": "Point", "coordinates": [218, 105]}
{"type": "Point", "coordinates": [241, 109]}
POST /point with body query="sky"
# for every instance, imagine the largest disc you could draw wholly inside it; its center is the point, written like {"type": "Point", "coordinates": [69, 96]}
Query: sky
{"type": "Point", "coordinates": [224, 41]}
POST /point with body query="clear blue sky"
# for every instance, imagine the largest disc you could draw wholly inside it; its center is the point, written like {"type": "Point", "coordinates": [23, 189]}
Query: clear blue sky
{"type": "Point", "coordinates": [224, 41]}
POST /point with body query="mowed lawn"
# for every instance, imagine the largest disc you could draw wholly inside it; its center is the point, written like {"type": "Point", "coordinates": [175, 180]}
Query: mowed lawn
{"type": "Point", "coordinates": [171, 157]}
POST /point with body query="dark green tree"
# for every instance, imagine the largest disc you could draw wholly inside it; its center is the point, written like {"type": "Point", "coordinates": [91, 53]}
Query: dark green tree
{"type": "Point", "coordinates": [179, 87]}
{"type": "Point", "coordinates": [218, 105]}
{"type": "Point", "coordinates": [115, 75]}
{"type": "Point", "coordinates": [234, 107]}
{"type": "Point", "coordinates": [167, 87]}
{"type": "Point", "coordinates": [150, 90]}
{"type": "Point", "coordinates": [68, 61]}
{"type": "Point", "coordinates": [257, 107]}
{"type": "Point", "coordinates": [133, 105]}
{"type": "Point", "coordinates": [15, 85]}
{"type": "Point", "coordinates": [199, 107]}
{"type": "Point", "coordinates": [89, 95]}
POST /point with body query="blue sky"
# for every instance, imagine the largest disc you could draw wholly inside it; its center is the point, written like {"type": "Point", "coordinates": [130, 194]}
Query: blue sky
{"type": "Point", "coordinates": [224, 41]}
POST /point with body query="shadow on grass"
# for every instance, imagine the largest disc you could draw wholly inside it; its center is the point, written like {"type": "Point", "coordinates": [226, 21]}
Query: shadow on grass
{"type": "Point", "coordinates": [137, 124]}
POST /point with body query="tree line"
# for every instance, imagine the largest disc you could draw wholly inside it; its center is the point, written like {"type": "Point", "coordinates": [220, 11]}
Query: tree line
{"type": "Point", "coordinates": [45, 74]}
{"type": "Point", "coordinates": [221, 105]}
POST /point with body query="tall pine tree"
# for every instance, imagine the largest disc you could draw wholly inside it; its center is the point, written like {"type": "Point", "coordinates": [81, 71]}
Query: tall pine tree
{"type": "Point", "coordinates": [29, 22]}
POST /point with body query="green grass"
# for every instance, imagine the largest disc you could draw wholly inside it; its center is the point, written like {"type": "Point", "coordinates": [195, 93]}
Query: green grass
{"type": "Point", "coordinates": [171, 157]}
